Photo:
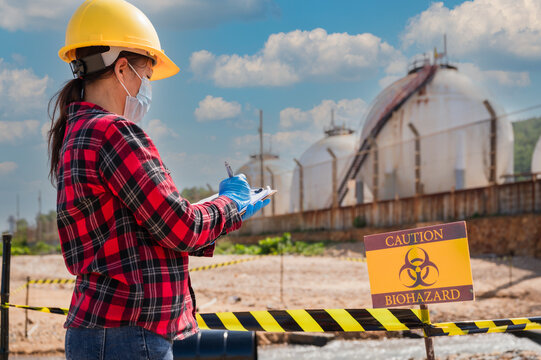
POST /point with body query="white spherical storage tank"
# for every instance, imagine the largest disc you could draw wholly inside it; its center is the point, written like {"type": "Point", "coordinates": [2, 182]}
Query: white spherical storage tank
{"type": "Point", "coordinates": [276, 175]}
{"type": "Point", "coordinates": [536, 158]}
{"type": "Point", "coordinates": [432, 131]}
{"type": "Point", "coordinates": [317, 167]}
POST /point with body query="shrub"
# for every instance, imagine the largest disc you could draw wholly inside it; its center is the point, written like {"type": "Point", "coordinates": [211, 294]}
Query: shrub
{"type": "Point", "coordinates": [359, 222]}
{"type": "Point", "coordinates": [272, 246]}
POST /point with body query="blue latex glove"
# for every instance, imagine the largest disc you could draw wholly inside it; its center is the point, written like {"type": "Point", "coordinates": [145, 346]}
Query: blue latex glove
{"type": "Point", "coordinates": [237, 189]}
{"type": "Point", "coordinates": [252, 209]}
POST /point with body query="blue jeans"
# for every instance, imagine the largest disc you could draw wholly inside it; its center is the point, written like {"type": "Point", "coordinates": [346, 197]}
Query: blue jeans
{"type": "Point", "coordinates": [130, 342]}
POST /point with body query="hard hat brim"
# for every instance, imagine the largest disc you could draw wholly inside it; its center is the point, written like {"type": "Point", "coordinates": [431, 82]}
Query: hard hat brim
{"type": "Point", "coordinates": [164, 67]}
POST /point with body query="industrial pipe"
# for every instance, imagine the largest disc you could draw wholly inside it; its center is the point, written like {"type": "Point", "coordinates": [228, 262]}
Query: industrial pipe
{"type": "Point", "coordinates": [493, 142]}
{"type": "Point", "coordinates": [301, 186]}
{"type": "Point", "coordinates": [217, 345]}
{"type": "Point", "coordinates": [375, 170]}
{"type": "Point", "coordinates": [418, 185]}
{"type": "Point", "coordinates": [334, 178]}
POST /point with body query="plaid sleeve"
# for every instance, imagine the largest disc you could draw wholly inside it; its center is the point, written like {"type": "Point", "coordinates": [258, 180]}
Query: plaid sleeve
{"type": "Point", "coordinates": [131, 168]}
{"type": "Point", "coordinates": [207, 251]}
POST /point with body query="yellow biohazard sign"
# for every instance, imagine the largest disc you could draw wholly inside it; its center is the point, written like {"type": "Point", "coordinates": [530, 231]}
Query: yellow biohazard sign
{"type": "Point", "coordinates": [419, 266]}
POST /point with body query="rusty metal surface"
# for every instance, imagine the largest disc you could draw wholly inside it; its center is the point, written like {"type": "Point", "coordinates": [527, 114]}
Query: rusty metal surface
{"type": "Point", "coordinates": [381, 110]}
{"type": "Point", "coordinates": [505, 199]}
{"type": "Point", "coordinates": [393, 96]}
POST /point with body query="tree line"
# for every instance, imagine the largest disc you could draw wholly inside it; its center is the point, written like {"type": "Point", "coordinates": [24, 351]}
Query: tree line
{"type": "Point", "coordinates": [527, 133]}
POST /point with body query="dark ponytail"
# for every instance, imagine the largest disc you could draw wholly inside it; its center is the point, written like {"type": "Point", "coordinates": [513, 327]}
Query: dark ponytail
{"type": "Point", "coordinates": [73, 91]}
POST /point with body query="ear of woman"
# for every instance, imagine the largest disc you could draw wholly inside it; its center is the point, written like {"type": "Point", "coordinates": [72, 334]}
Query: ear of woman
{"type": "Point", "coordinates": [107, 92]}
{"type": "Point", "coordinates": [127, 77]}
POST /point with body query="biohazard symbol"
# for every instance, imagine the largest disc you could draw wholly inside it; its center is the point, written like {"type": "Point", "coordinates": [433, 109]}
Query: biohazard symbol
{"type": "Point", "coordinates": [418, 269]}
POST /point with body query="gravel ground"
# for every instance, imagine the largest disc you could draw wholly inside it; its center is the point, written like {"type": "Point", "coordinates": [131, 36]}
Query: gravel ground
{"type": "Point", "coordinates": [486, 346]}
{"type": "Point", "coordinates": [308, 282]}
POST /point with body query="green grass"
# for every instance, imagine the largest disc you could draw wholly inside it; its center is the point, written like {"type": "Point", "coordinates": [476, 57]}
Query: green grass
{"type": "Point", "coordinates": [39, 248]}
{"type": "Point", "coordinates": [272, 246]}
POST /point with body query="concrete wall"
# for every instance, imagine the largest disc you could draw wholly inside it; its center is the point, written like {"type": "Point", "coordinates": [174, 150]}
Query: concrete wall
{"type": "Point", "coordinates": [500, 219]}
{"type": "Point", "coordinates": [505, 199]}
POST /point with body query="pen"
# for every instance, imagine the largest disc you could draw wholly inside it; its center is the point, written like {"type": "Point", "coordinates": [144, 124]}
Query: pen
{"type": "Point", "coordinates": [228, 169]}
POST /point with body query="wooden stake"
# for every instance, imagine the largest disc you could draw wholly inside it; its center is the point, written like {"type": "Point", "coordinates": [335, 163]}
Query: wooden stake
{"type": "Point", "coordinates": [26, 310]}
{"type": "Point", "coordinates": [429, 344]}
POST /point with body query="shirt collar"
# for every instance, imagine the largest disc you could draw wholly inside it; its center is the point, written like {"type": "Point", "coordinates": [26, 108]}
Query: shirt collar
{"type": "Point", "coordinates": [78, 108]}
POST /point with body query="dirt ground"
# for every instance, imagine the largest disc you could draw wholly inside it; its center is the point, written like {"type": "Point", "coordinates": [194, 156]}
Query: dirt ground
{"type": "Point", "coordinates": [308, 282]}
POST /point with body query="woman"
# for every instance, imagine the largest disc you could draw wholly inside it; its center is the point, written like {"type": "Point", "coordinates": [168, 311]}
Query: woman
{"type": "Point", "coordinates": [124, 229]}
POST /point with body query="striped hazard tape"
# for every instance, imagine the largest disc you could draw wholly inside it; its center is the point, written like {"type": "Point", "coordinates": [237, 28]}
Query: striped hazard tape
{"type": "Point", "coordinates": [51, 310]}
{"type": "Point", "coordinates": [484, 326]}
{"type": "Point", "coordinates": [342, 320]}
{"type": "Point", "coordinates": [42, 281]}
{"type": "Point", "coordinates": [319, 320]}
{"type": "Point", "coordinates": [232, 262]}
{"type": "Point", "coordinates": [72, 281]}
{"type": "Point", "coordinates": [23, 286]}
{"type": "Point", "coordinates": [52, 281]}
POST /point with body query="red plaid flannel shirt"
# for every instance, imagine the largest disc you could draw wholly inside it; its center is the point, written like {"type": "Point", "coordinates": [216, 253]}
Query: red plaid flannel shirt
{"type": "Point", "coordinates": [125, 231]}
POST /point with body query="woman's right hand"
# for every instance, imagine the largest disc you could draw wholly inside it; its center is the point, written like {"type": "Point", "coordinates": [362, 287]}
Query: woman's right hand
{"type": "Point", "coordinates": [237, 189]}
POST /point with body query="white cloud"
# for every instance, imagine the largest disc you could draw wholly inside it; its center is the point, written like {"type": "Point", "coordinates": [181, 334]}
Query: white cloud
{"type": "Point", "coordinates": [216, 108]}
{"type": "Point", "coordinates": [158, 130]}
{"type": "Point", "coordinates": [283, 140]}
{"type": "Point", "coordinates": [288, 58]}
{"type": "Point", "coordinates": [34, 14]}
{"type": "Point", "coordinates": [44, 131]}
{"type": "Point", "coordinates": [290, 143]}
{"type": "Point", "coordinates": [55, 14]}
{"type": "Point", "coordinates": [388, 80]}
{"type": "Point", "coordinates": [191, 169]}
{"type": "Point", "coordinates": [480, 27]}
{"type": "Point", "coordinates": [10, 131]}
{"type": "Point", "coordinates": [346, 111]}
{"type": "Point", "coordinates": [489, 78]}
{"type": "Point", "coordinates": [21, 91]}
{"type": "Point", "coordinates": [492, 78]}
{"type": "Point", "coordinates": [7, 167]}
{"type": "Point", "coordinates": [302, 128]}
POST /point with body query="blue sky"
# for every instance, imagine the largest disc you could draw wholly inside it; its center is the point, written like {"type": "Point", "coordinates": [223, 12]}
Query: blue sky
{"type": "Point", "coordinates": [296, 60]}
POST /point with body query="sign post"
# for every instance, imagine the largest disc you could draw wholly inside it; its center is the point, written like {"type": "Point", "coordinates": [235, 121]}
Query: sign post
{"type": "Point", "coordinates": [429, 344]}
{"type": "Point", "coordinates": [418, 267]}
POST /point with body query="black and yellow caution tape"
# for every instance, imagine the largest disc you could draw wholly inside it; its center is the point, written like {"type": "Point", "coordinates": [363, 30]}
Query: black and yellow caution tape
{"type": "Point", "coordinates": [199, 268]}
{"type": "Point", "coordinates": [318, 320]}
{"type": "Point", "coordinates": [51, 310]}
{"type": "Point", "coordinates": [42, 281]}
{"type": "Point", "coordinates": [342, 320]}
{"type": "Point", "coordinates": [22, 287]}
{"type": "Point", "coordinates": [52, 281]}
{"type": "Point", "coordinates": [483, 326]}
{"type": "Point", "coordinates": [232, 262]}
{"type": "Point", "coordinates": [72, 281]}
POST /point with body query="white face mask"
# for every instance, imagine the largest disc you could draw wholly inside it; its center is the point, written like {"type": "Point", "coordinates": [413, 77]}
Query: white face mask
{"type": "Point", "coordinates": [136, 107]}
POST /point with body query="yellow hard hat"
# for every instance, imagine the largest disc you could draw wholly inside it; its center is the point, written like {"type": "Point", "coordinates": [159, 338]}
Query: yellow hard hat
{"type": "Point", "coordinates": [115, 23]}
